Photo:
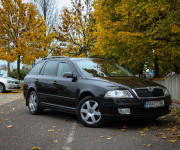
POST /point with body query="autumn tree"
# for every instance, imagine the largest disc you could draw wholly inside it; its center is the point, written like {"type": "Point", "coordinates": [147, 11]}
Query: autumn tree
{"type": "Point", "coordinates": [75, 28]}
{"type": "Point", "coordinates": [48, 9]}
{"type": "Point", "coordinates": [22, 33]}
{"type": "Point", "coordinates": [139, 34]}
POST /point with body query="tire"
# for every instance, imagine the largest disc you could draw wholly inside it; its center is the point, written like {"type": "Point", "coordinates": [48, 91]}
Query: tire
{"type": "Point", "coordinates": [33, 104]}
{"type": "Point", "coordinates": [88, 112]}
{"type": "Point", "coordinates": [2, 88]}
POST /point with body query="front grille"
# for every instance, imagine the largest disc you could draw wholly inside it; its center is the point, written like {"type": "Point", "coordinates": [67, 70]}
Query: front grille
{"type": "Point", "coordinates": [158, 92]}
{"type": "Point", "coordinates": [155, 92]}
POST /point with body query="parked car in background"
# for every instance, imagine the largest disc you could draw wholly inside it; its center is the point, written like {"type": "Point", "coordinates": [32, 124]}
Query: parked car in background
{"type": "Point", "coordinates": [94, 89]}
{"type": "Point", "coordinates": [8, 84]}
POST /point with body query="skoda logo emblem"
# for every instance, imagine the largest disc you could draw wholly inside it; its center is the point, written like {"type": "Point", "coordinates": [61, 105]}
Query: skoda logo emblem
{"type": "Point", "coordinates": [151, 89]}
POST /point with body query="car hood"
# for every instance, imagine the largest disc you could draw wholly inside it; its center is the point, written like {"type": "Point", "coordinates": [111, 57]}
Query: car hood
{"type": "Point", "coordinates": [9, 78]}
{"type": "Point", "coordinates": [132, 82]}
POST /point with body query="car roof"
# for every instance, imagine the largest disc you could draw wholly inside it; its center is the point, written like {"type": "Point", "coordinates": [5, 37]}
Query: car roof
{"type": "Point", "coordinates": [84, 58]}
{"type": "Point", "coordinates": [67, 58]}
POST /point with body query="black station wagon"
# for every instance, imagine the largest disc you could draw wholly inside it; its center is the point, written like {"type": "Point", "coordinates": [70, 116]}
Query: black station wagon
{"type": "Point", "coordinates": [95, 89]}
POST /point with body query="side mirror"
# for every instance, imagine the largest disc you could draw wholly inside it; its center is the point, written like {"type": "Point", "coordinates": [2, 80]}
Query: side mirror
{"type": "Point", "coordinates": [68, 75]}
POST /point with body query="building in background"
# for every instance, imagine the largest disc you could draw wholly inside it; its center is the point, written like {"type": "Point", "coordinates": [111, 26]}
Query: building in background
{"type": "Point", "coordinates": [3, 73]}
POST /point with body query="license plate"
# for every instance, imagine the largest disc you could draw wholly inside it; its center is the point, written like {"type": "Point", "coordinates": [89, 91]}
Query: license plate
{"type": "Point", "coordinates": [154, 104]}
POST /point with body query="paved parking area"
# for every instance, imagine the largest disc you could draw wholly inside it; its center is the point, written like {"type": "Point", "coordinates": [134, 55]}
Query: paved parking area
{"type": "Point", "coordinates": [19, 130]}
{"type": "Point", "coordinates": [10, 96]}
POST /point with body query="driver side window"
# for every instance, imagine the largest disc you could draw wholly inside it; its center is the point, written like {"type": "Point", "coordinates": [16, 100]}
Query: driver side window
{"type": "Point", "coordinates": [63, 67]}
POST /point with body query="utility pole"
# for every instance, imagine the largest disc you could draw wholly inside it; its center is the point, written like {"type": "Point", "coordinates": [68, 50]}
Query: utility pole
{"type": "Point", "coordinates": [8, 69]}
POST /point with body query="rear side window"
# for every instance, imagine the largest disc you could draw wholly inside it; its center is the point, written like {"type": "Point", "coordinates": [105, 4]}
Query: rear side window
{"type": "Point", "coordinates": [50, 68]}
{"type": "Point", "coordinates": [63, 67]}
{"type": "Point", "coordinates": [36, 69]}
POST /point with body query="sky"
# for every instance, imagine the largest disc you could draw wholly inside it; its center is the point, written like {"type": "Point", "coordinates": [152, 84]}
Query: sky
{"type": "Point", "coordinates": [61, 4]}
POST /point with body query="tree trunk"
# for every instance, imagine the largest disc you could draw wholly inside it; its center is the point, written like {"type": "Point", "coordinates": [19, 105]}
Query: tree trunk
{"type": "Point", "coordinates": [141, 68]}
{"type": "Point", "coordinates": [156, 67]}
{"type": "Point", "coordinates": [18, 68]}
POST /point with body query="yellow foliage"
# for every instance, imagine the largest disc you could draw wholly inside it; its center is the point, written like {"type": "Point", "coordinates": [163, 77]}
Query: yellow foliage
{"type": "Point", "coordinates": [134, 33]}
{"type": "Point", "coordinates": [23, 31]}
{"type": "Point", "coordinates": [76, 29]}
{"type": "Point", "coordinates": [175, 28]}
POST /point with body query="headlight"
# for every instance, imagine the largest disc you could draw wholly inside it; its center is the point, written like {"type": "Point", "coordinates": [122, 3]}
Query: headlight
{"type": "Point", "coordinates": [166, 92]}
{"type": "Point", "coordinates": [119, 94]}
{"type": "Point", "coordinates": [9, 81]}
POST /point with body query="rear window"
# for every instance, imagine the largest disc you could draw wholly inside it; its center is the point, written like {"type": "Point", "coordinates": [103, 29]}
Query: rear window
{"type": "Point", "coordinates": [36, 69]}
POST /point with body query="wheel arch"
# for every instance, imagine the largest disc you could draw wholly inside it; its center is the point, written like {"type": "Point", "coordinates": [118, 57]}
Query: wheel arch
{"type": "Point", "coordinates": [85, 94]}
{"type": "Point", "coordinates": [29, 91]}
{"type": "Point", "coordinates": [3, 85]}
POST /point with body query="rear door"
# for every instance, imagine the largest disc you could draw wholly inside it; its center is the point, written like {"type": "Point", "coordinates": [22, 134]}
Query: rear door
{"type": "Point", "coordinates": [32, 78]}
{"type": "Point", "coordinates": [46, 87]}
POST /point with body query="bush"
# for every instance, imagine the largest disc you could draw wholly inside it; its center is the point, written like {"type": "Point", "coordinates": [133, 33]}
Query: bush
{"type": "Point", "coordinates": [13, 74]}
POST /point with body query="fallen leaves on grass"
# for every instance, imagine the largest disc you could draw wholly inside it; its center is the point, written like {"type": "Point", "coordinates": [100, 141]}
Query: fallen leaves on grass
{"type": "Point", "coordinates": [109, 138]}
{"type": "Point", "coordinates": [101, 136]}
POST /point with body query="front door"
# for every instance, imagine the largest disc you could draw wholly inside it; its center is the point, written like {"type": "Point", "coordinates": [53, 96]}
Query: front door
{"type": "Point", "coordinates": [65, 87]}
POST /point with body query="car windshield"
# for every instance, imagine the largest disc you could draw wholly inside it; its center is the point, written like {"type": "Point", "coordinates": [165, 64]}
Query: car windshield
{"type": "Point", "coordinates": [101, 68]}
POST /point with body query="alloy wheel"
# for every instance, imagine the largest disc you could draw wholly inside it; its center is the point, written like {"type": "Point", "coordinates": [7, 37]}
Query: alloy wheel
{"type": "Point", "coordinates": [90, 112]}
{"type": "Point", "coordinates": [33, 102]}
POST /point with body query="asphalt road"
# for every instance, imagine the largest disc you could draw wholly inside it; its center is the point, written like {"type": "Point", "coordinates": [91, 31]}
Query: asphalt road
{"type": "Point", "coordinates": [59, 131]}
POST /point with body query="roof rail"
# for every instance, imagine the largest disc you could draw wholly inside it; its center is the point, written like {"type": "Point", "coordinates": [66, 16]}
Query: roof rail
{"type": "Point", "coordinates": [52, 57]}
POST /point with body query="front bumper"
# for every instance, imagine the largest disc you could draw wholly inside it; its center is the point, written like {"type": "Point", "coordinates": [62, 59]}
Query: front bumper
{"type": "Point", "coordinates": [12, 86]}
{"type": "Point", "coordinates": [109, 108]}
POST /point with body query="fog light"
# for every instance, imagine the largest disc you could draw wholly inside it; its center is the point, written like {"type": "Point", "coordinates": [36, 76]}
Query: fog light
{"type": "Point", "coordinates": [124, 111]}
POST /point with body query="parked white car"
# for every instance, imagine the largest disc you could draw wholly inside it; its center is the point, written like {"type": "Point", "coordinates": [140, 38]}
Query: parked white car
{"type": "Point", "coordinates": [8, 84]}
